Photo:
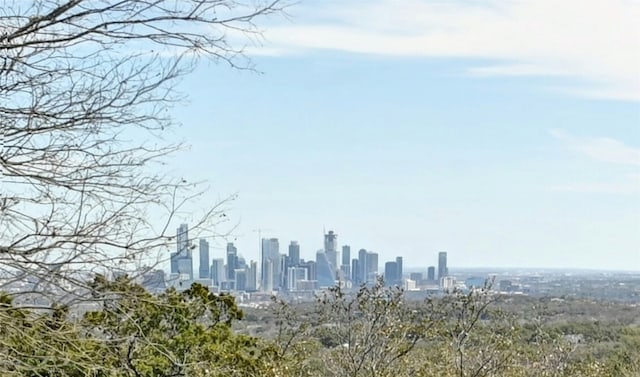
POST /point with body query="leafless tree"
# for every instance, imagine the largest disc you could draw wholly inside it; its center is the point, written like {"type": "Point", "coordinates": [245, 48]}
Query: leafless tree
{"type": "Point", "coordinates": [482, 337]}
{"type": "Point", "coordinates": [371, 332]}
{"type": "Point", "coordinates": [82, 82]}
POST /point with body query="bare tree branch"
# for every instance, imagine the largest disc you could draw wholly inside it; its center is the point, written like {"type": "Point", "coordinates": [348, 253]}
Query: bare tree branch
{"type": "Point", "coordinates": [85, 89]}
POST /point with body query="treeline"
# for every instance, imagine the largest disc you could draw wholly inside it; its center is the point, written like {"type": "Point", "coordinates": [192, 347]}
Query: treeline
{"type": "Point", "coordinates": [373, 332]}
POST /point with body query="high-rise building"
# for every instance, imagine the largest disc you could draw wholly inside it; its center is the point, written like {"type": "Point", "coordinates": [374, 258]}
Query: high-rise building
{"type": "Point", "coordinates": [372, 267]}
{"type": "Point", "coordinates": [282, 275]}
{"type": "Point", "coordinates": [174, 263]}
{"type": "Point", "coordinates": [416, 276]}
{"type": "Point", "coordinates": [400, 272]}
{"type": "Point", "coordinates": [241, 263]}
{"type": "Point", "coordinates": [311, 269]}
{"type": "Point", "coordinates": [345, 273]}
{"type": "Point", "coordinates": [324, 270]}
{"type": "Point", "coordinates": [294, 275]}
{"type": "Point", "coordinates": [331, 251]}
{"type": "Point", "coordinates": [431, 273]}
{"type": "Point", "coordinates": [442, 265]}
{"type": "Point", "coordinates": [362, 266]}
{"type": "Point", "coordinates": [182, 261]}
{"type": "Point", "coordinates": [268, 278]}
{"type": "Point", "coordinates": [330, 241]}
{"type": "Point", "coordinates": [217, 271]}
{"type": "Point", "coordinates": [345, 267]}
{"type": "Point", "coordinates": [182, 240]}
{"type": "Point", "coordinates": [232, 261]}
{"type": "Point", "coordinates": [270, 263]}
{"type": "Point", "coordinates": [185, 268]}
{"type": "Point", "coordinates": [203, 270]}
{"type": "Point", "coordinates": [346, 255]}
{"type": "Point", "coordinates": [252, 276]}
{"type": "Point", "coordinates": [391, 273]}
{"type": "Point", "coordinates": [355, 271]}
{"type": "Point", "coordinates": [240, 282]}
{"type": "Point", "coordinates": [294, 254]}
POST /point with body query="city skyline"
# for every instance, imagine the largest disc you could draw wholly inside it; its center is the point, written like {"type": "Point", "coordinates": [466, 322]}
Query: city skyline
{"type": "Point", "coordinates": [460, 127]}
{"type": "Point", "coordinates": [427, 260]}
{"type": "Point", "coordinates": [289, 271]}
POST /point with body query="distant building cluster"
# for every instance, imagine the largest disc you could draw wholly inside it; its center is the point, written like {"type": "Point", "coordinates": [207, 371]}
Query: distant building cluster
{"type": "Point", "coordinates": [277, 271]}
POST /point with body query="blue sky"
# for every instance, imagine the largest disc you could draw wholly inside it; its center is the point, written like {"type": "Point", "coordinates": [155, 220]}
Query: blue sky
{"type": "Point", "coordinates": [506, 133]}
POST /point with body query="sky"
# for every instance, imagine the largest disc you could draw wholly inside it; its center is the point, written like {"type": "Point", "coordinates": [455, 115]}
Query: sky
{"type": "Point", "coordinates": [506, 133]}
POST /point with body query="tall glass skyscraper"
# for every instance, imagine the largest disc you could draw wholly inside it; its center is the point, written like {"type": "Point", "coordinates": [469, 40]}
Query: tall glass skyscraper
{"type": "Point", "coordinates": [331, 241]}
{"type": "Point", "coordinates": [181, 261]}
{"type": "Point", "coordinates": [294, 254]}
{"type": "Point", "coordinates": [182, 240]}
{"type": "Point", "coordinates": [270, 263]}
{"type": "Point", "coordinates": [362, 266]}
{"type": "Point", "coordinates": [345, 266]}
{"type": "Point", "coordinates": [431, 273]}
{"type": "Point", "coordinates": [252, 276]}
{"type": "Point", "coordinates": [400, 272]}
{"type": "Point", "coordinates": [324, 270]}
{"type": "Point", "coordinates": [232, 261]}
{"type": "Point", "coordinates": [355, 271]}
{"type": "Point", "coordinates": [331, 251]}
{"type": "Point", "coordinates": [372, 267]}
{"type": "Point", "coordinates": [442, 264]}
{"type": "Point", "coordinates": [346, 255]}
{"type": "Point", "coordinates": [203, 270]}
{"type": "Point", "coordinates": [390, 273]}
{"type": "Point", "coordinates": [217, 271]}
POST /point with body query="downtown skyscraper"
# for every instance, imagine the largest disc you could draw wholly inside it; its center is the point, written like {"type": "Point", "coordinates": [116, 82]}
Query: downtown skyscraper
{"type": "Point", "coordinates": [294, 254]}
{"type": "Point", "coordinates": [181, 260]}
{"type": "Point", "coordinates": [217, 272]}
{"type": "Point", "coordinates": [204, 269]}
{"type": "Point", "coordinates": [371, 267]}
{"type": "Point", "coordinates": [345, 266]}
{"type": "Point", "coordinates": [326, 275]}
{"type": "Point", "coordinates": [393, 272]}
{"type": "Point", "coordinates": [270, 264]}
{"type": "Point", "coordinates": [360, 268]}
{"type": "Point", "coordinates": [442, 265]}
{"type": "Point", "coordinates": [331, 252]}
{"type": "Point", "coordinates": [232, 261]}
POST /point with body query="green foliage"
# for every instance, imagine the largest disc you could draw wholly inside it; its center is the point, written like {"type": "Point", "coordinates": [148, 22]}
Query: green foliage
{"type": "Point", "coordinates": [375, 332]}
{"type": "Point", "coordinates": [45, 344]}
{"type": "Point", "coordinates": [372, 332]}
{"type": "Point", "coordinates": [134, 334]}
{"type": "Point", "coordinates": [175, 333]}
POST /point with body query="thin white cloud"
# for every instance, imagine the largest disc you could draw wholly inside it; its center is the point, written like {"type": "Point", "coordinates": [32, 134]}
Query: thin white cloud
{"type": "Point", "coordinates": [600, 148]}
{"type": "Point", "coordinates": [513, 70]}
{"type": "Point", "coordinates": [629, 187]}
{"type": "Point", "coordinates": [597, 41]}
